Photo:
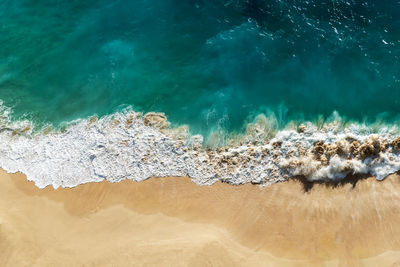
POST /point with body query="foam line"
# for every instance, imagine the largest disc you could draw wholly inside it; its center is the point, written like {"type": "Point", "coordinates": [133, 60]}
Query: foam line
{"type": "Point", "coordinates": [129, 145]}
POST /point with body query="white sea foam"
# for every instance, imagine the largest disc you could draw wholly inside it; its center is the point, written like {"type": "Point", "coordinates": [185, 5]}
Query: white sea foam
{"type": "Point", "coordinates": [128, 145]}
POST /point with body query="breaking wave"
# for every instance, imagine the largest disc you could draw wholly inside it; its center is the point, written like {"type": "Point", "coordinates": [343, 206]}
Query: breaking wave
{"type": "Point", "coordinates": [136, 146]}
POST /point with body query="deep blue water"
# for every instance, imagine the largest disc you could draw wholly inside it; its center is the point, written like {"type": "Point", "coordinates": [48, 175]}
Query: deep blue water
{"type": "Point", "coordinates": [205, 63]}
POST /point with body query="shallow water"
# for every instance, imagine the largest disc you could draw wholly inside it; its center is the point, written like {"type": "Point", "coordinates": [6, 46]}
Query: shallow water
{"type": "Point", "coordinates": [209, 64]}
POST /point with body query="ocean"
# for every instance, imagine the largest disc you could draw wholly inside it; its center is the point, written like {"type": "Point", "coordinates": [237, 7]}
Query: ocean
{"type": "Point", "coordinates": [252, 91]}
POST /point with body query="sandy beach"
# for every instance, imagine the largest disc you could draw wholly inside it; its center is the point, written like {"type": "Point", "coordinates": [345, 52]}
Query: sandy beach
{"type": "Point", "coordinates": [174, 222]}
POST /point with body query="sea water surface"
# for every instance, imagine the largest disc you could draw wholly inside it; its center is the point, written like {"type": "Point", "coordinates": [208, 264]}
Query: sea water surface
{"type": "Point", "coordinates": [212, 65]}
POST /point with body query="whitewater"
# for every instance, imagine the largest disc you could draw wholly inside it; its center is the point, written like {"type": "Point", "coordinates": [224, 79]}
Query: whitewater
{"type": "Point", "coordinates": [135, 146]}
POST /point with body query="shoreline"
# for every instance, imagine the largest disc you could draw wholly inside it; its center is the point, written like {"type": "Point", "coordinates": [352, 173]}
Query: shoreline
{"type": "Point", "coordinates": [285, 224]}
{"type": "Point", "coordinates": [136, 146]}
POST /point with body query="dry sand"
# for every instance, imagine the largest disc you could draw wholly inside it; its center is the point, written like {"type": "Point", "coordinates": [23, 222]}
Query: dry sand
{"type": "Point", "coordinates": [173, 222]}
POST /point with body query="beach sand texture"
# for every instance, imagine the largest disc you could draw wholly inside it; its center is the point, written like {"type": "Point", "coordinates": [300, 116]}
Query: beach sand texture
{"type": "Point", "coordinates": [174, 222]}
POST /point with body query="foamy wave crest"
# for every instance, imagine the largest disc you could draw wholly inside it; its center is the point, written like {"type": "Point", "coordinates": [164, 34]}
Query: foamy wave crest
{"type": "Point", "coordinates": [129, 145]}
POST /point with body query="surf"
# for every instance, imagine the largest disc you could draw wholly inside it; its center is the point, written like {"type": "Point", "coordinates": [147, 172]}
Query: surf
{"type": "Point", "coordinates": [136, 146]}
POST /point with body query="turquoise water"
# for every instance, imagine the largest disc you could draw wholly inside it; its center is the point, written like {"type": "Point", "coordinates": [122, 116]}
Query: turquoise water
{"type": "Point", "coordinates": [207, 63]}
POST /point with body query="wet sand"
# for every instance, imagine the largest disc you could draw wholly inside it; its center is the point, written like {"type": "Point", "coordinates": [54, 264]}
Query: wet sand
{"type": "Point", "coordinates": [174, 222]}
